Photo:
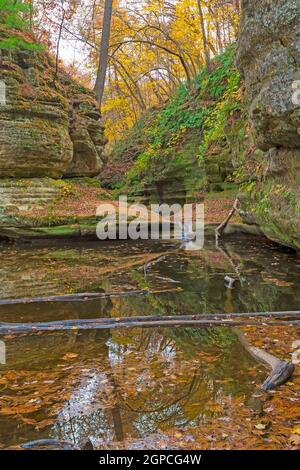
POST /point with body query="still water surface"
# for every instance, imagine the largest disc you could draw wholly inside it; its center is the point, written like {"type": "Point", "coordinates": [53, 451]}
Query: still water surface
{"type": "Point", "coordinates": [119, 385]}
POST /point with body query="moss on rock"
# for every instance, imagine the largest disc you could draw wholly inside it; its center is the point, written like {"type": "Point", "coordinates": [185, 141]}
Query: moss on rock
{"type": "Point", "coordinates": [268, 56]}
{"type": "Point", "coordinates": [191, 143]}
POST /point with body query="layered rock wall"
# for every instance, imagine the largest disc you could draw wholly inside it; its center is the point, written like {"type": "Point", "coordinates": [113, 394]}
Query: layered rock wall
{"type": "Point", "coordinates": [50, 128]}
{"type": "Point", "coordinates": [268, 55]}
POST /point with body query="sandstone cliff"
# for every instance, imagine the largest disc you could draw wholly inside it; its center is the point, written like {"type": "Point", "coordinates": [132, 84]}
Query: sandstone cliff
{"type": "Point", "coordinates": [268, 55]}
{"type": "Point", "coordinates": [50, 128]}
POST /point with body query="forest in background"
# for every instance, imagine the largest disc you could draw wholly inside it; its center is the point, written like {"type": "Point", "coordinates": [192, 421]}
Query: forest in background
{"type": "Point", "coordinates": [189, 116]}
{"type": "Point", "coordinates": [152, 47]}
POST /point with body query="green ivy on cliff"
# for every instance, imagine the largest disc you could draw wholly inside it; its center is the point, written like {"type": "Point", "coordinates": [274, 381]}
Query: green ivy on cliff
{"type": "Point", "coordinates": [14, 20]}
{"type": "Point", "coordinates": [177, 139]}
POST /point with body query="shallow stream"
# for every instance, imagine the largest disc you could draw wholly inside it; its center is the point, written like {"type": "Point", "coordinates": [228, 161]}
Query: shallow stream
{"type": "Point", "coordinates": [115, 386]}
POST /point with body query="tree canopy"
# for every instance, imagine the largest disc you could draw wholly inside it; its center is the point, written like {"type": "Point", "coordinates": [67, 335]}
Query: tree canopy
{"type": "Point", "coordinates": [154, 46]}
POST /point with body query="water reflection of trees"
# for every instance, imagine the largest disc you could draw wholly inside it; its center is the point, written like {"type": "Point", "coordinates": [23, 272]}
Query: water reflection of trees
{"type": "Point", "coordinates": [152, 385]}
{"type": "Point", "coordinates": [155, 401]}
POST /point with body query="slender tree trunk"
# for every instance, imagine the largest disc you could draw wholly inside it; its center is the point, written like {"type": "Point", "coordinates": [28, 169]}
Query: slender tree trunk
{"type": "Point", "coordinates": [219, 39]}
{"type": "Point", "coordinates": [204, 38]}
{"type": "Point", "coordinates": [103, 55]}
{"type": "Point", "coordinates": [59, 39]}
{"type": "Point", "coordinates": [31, 15]}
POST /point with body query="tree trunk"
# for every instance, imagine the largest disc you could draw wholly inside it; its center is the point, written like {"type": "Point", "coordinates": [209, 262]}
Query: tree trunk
{"type": "Point", "coordinates": [59, 39]}
{"type": "Point", "coordinates": [204, 38]}
{"type": "Point", "coordinates": [103, 55]}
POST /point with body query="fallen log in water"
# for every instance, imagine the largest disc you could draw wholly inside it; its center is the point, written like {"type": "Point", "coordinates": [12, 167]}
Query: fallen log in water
{"type": "Point", "coordinates": [83, 296]}
{"type": "Point", "coordinates": [55, 444]}
{"type": "Point", "coordinates": [210, 316]}
{"type": "Point", "coordinates": [200, 321]}
{"type": "Point", "coordinates": [48, 444]}
{"type": "Point", "coordinates": [281, 370]}
{"type": "Point", "coordinates": [220, 229]}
